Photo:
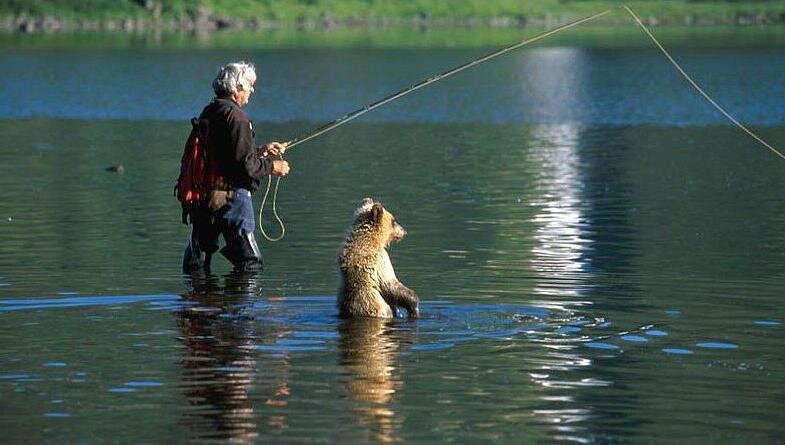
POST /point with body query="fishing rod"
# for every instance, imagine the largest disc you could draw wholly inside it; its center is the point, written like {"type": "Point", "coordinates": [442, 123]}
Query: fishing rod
{"type": "Point", "coordinates": [367, 108]}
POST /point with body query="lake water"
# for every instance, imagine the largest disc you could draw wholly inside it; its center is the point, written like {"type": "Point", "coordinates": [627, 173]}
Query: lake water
{"type": "Point", "coordinates": [599, 254]}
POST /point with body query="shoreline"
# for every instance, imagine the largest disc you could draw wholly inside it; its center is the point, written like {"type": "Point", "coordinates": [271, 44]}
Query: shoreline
{"type": "Point", "coordinates": [208, 23]}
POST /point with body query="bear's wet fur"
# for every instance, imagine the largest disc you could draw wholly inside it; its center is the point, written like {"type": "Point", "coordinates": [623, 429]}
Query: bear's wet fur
{"type": "Point", "coordinates": [369, 287]}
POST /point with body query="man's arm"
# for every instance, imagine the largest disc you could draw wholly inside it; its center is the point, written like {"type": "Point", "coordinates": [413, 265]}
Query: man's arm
{"type": "Point", "coordinates": [241, 136]}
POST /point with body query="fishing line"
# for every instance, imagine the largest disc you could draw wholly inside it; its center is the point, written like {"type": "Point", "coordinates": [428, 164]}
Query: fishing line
{"type": "Point", "coordinates": [698, 88]}
{"type": "Point", "coordinates": [365, 109]}
{"type": "Point", "coordinates": [275, 211]}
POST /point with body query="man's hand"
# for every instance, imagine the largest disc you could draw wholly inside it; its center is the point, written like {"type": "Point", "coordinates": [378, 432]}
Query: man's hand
{"type": "Point", "coordinates": [273, 148]}
{"type": "Point", "coordinates": [280, 167]}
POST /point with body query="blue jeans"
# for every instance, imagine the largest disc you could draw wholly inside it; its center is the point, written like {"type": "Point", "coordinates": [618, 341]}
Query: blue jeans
{"type": "Point", "coordinates": [235, 221]}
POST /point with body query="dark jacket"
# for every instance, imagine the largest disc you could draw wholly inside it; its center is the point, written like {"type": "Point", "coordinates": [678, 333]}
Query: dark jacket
{"type": "Point", "coordinates": [230, 141]}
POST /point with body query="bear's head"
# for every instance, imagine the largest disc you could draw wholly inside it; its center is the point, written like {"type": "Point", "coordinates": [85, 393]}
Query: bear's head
{"type": "Point", "coordinates": [374, 216]}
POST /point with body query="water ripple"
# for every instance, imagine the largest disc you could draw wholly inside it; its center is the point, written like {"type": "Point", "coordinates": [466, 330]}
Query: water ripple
{"type": "Point", "coordinates": [7, 305]}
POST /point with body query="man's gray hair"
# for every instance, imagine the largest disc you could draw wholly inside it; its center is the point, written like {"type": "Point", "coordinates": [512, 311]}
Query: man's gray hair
{"type": "Point", "coordinates": [231, 76]}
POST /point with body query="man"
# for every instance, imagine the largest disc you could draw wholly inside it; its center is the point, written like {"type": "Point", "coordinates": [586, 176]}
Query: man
{"type": "Point", "coordinates": [237, 161]}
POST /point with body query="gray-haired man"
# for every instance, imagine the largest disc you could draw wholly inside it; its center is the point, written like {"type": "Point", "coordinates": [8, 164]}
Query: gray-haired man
{"type": "Point", "coordinates": [235, 158]}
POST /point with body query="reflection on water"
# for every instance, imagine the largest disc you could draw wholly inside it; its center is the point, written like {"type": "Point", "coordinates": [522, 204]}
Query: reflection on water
{"type": "Point", "coordinates": [225, 330]}
{"type": "Point", "coordinates": [370, 349]}
{"type": "Point", "coordinates": [559, 261]}
{"type": "Point", "coordinates": [219, 364]}
{"type": "Point", "coordinates": [559, 257]}
{"type": "Point", "coordinates": [370, 352]}
{"type": "Point", "coordinates": [562, 245]}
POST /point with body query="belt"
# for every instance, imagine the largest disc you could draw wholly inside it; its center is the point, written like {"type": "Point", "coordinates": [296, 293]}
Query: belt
{"type": "Point", "coordinates": [218, 198]}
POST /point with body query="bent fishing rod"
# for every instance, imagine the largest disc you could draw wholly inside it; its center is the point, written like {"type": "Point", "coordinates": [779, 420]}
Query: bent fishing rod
{"type": "Point", "coordinates": [365, 109]}
{"type": "Point", "coordinates": [385, 100]}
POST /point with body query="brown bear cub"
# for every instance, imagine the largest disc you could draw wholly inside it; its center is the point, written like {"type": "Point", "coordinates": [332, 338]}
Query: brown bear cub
{"type": "Point", "coordinates": [369, 287]}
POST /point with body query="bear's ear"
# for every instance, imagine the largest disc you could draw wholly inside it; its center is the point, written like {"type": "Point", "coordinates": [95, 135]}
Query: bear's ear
{"type": "Point", "coordinates": [366, 201]}
{"type": "Point", "coordinates": [377, 211]}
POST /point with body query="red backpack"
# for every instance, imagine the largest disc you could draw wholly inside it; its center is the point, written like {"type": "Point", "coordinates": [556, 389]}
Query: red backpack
{"type": "Point", "coordinates": [197, 169]}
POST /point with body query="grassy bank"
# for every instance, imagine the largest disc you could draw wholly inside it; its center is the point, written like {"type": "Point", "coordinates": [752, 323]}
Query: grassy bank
{"type": "Point", "coordinates": [35, 15]}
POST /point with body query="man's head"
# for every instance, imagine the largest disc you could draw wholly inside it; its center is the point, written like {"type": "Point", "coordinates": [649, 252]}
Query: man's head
{"type": "Point", "coordinates": [235, 81]}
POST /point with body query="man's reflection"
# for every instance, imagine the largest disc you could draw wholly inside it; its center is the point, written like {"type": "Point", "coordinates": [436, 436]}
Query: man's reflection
{"type": "Point", "coordinates": [219, 364]}
{"type": "Point", "coordinates": [369, 351]}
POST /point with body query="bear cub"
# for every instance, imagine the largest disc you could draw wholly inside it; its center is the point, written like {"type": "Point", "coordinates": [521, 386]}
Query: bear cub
{"type": "Point", "coordinates": [369, 287]}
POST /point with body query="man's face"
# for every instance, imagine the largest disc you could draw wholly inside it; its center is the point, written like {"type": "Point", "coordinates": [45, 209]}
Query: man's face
{"type": "Point", "coordinates": [243, 96]}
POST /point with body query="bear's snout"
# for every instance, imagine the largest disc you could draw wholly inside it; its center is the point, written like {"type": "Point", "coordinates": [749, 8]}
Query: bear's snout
{"type": "Point", "coordinates": [398, 232]}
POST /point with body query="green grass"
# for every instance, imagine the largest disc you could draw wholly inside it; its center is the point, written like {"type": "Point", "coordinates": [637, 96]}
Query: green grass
{"type": "Point", "coordinates": [452, 9]}
{"type": "Point", "coordinates": [294, 11]}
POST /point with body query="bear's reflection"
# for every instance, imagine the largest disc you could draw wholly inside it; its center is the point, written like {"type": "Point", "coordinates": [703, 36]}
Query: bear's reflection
{"type": "Point", "coordinates": [370, 352]}
{"type": "Point", "coordinates": [219, 364]}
